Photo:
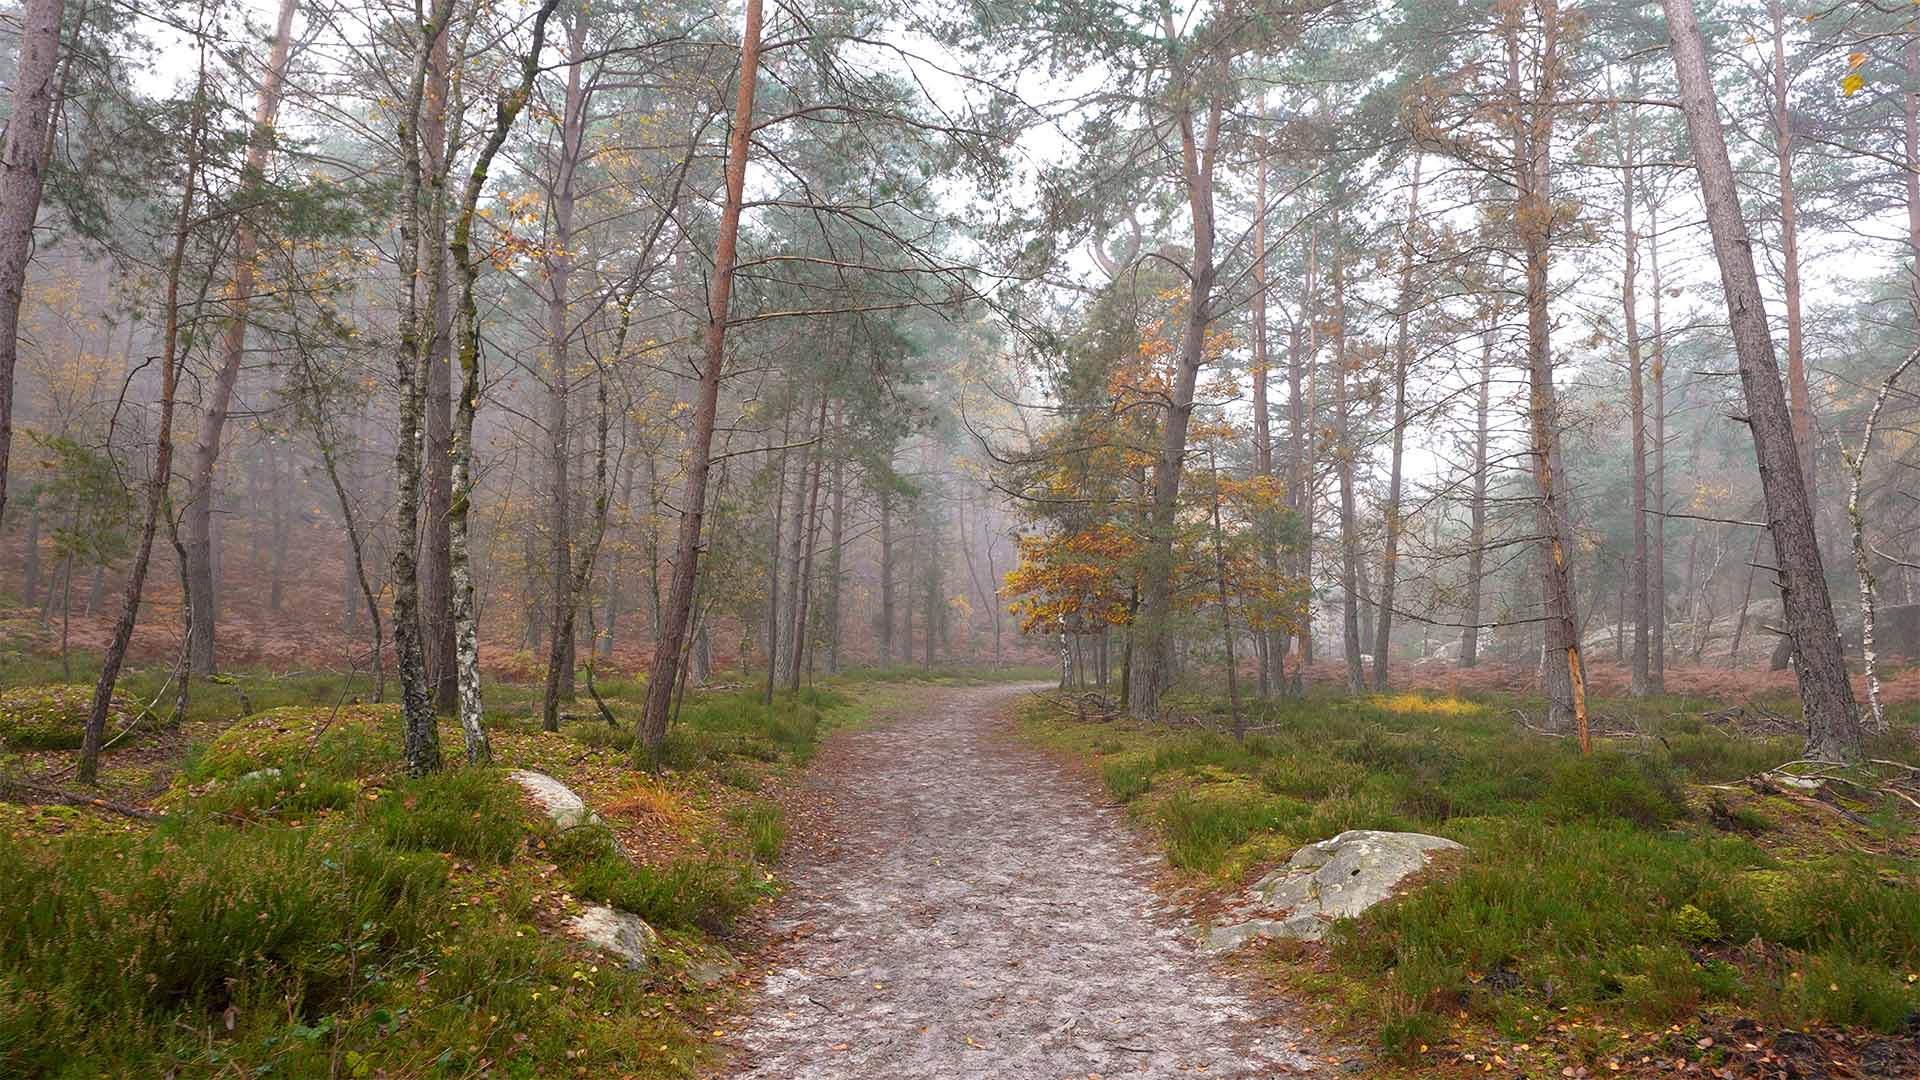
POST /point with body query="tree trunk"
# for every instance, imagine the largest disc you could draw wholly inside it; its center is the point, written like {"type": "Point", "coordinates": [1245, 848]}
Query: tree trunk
{"type": "Point", "coordinates": [94, 734]}
{"type": "Point", "coordinates": [1151, 668]}
{"type": "Point", "coordinates": [436, 572]}
{"type": "Point", "coordinates": [1827, 700]}
{"type": "Point", "coordinates": [886, 574]}
{"type": "Point", "coordinates": [1477, 543]}
{"type": "Point", "coordinates": [466, 632]}
{"type": "Point", "coordinates": [1262, 420]}
{"type": "Point", "coordinates": [1657, 561]}
{"type": "Point", "coordinates": [560, 683]}
{"type": "Point", "coordinates": [1533, 220]}
{"type": "Point", "coordinates": [31, 586]}
{"type": "Point", "coordinates": [1910, 108]}
{"type": "Point", "coordinates": [421, 736]}
{"type": "Point", "coordinates": [666, 660]}
{"type": "Point", "coordinates": [356, 555]}
{"type": "Point", "coordinates": [1402, 361]}
{"type": "Point", "coordinates": [1343, 469]}
{"type": "Point", "coordinates": [1863, 570]}
{"type": "Point", "coordinates": [1798, 398]}
{"type": "Point", "coordinates": [993, 596]}
{"type": "Point", "coordinates": [1636, 403]}
{"type": "Point", "coordinates": [277, 500]}
{"type": "Point", "coordinates": [1226, 609]}
{"type": "Point", "coordinates": [785, 661]}
{"type": "Point", "coordinates": [23, 172]}
{"type": "Point", "coordinates": [806, 532]}
{"type": "Point", "coordinates": [1301, 413]}
{"type": "Point", "coordinates": [1746, 602]}
{"type": "Point", "coordinates": [233, 349]}
{"type": "Point", "coordinates": [837, 538]}
{"type": "Point", "coordinates": [778, 520]}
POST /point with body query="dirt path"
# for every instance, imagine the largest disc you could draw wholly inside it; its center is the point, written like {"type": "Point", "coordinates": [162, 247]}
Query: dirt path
{"type": "Point", "coordinates": [978, 916]}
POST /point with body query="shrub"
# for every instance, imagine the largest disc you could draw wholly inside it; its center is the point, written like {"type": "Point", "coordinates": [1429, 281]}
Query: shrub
{"type": "Point", "coordinates": [1128, 779]}
{"type": "Point", "coordinates": [765, 828]}
{"type": "Point", "coordinates": [1693, 925]}
{"type": "Point", "coordinates": [1605, 785]}
{"type": "Point", "coordinates": [1308, 777]}
{"type": "Point", "coordinates": [471, 812]}
{"type": "Point", "coordinates": [292, 793]}
{"type": "Point", "coordinates": [106, 940]}
{"type": "Point", "coordinates": [706, 893]}
{"type": "Point", "coordinates": [1202, 830]}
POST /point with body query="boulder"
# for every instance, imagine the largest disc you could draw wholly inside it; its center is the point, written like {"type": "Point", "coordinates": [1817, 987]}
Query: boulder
{"type": "Point", "coordinates": [566, 809]}
{"type": "Point", "coordinates": [1333, 879]}
{"type": "Point", "coordinates": [621, 933]}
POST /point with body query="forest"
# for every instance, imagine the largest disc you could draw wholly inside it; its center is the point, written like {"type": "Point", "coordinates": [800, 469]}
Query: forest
{"type": "Point", "coordinates": [522, 524]}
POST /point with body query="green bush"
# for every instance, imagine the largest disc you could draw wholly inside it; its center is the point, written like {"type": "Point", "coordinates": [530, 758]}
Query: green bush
{"type": "Point", "coordinates": [107, 939]}
{"type": "Point", "coordinates": [765, 828]}
{"type": "Point", "coordinates": [1603, 785]}
{"type": "Point", "coordinates": [1693, 925]}
{"type": "Point", "coordinates": [706, 893]}
{"type": "Point", "coordinates": [1127, 779]}
{"type": "Point", "coordinates": [1202, 830]}
{"type": "Point", "coordinates": [292, 793]}
{"type": "Point", "coordinates": [472, 812]}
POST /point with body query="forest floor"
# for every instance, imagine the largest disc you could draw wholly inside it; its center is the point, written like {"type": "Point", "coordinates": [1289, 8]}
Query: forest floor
{"type": "Point", "coordinates": [263, 891]}
{"type": "Point", "coordinates": [1670, 905]}
{"type": "Point", "coordinates": [968, 911]}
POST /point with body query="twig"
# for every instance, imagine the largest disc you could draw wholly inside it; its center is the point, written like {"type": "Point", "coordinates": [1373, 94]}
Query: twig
{"type": "Point", "coordinates": [70, 798]}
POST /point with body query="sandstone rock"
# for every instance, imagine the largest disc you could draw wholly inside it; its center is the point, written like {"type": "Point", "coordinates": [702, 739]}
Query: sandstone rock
{"type": "Point", "coordinates": [1333, 879]}
{"type": "Point", "coordinates": [565, 808]}
{"type": "Point", "coordinates": [621, 933]}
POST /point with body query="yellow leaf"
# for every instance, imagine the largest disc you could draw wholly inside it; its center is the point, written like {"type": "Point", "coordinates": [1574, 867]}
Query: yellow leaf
{"type": "Point", "coordinates": [1851, 85]}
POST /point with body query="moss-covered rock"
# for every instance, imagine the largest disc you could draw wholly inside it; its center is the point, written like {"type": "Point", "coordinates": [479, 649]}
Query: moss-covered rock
{"type": "Point", "coordinates": [353, 740]}
{"type": "Point", "coordinates": [53, 717]}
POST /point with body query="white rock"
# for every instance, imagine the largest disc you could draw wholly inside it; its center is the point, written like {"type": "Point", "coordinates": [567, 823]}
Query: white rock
{"type": "Point", "coordinates": [621, 933]}
{"type": "Point", "coordinates": [565, 808]}
{"type": "Point", "coordinates": [1333, 879]}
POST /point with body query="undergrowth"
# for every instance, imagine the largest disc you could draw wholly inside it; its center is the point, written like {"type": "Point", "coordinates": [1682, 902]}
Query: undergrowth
{"type": "Point", "coordinates": [1616, 881]}
{"type": "Point", "coordinates": [304, 909]}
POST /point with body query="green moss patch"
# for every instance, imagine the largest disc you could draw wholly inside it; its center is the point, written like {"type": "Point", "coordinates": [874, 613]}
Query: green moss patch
{"type": "Point", "coordinates": [352, 740]}
{"type": "Point", "coordinates": [54, 716]}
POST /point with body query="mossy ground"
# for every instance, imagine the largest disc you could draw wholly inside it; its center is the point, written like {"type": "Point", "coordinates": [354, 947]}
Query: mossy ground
{"type": "Point", "coordinates": [1607, 900]}
{"type": "Point", "coordinates": [302, 908]}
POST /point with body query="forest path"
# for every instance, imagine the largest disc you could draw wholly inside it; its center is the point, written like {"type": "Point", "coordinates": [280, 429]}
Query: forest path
{"type": "Point", "coordinates": [975, 914]}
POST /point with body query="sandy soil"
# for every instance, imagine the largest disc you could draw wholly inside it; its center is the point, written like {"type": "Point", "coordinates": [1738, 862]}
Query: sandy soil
{"type": "Point", "coordinates": [975, 914]}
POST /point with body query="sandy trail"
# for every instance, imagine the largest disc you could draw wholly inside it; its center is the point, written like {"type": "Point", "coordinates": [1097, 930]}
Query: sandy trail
{"type": "Point", "coordinates": [979, 916]}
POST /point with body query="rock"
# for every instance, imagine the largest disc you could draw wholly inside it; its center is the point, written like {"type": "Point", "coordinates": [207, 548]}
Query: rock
{"type": "Point", "coordinates": [565, 808]}
{"type": "Point", "coordinates": [1333, 879]}
{"type": "Point", "coordinates": [1295, 928]}
{"type": "Point", "coordinates": [621, 933]}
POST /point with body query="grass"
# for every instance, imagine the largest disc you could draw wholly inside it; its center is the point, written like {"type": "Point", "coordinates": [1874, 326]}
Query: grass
{"type": "Point", "coordinates": [304, 909]}
{"type": "Point", "coordinates": [1616, 882]}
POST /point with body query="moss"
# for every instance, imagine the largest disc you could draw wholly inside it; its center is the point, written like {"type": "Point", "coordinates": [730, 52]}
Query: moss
{"type": "Point", "coordinates": [354, 740]}
{"type": "Point", "coordinates": [53, 717]}
{"type": "Point", "coordinates": [1694, 925]}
